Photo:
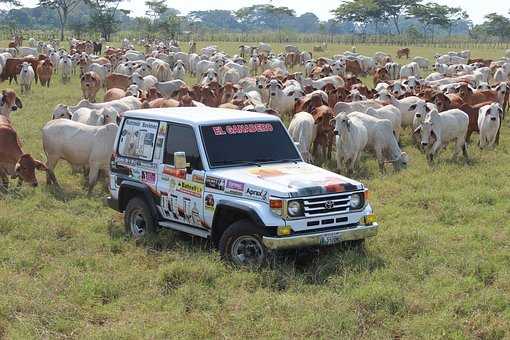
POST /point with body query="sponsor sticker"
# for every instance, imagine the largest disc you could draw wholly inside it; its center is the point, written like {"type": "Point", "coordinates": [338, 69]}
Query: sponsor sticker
{"type": "Point", "coordinates": [233, 187]}
{"type": "Point", "coordinates": [215, 183]}
{"type": "Point", "coordinates": [209, 202]}
{"type": "Point", "coordinates": [190, 188]}
{"type": "Point", "coordinates": [173, 172]}
{"type": "Point", "coordinates": [198, 178]}
{"type": "Point", "coordinates": [148, 177]}
{"type": "Point", "coordinates": [259, 194]}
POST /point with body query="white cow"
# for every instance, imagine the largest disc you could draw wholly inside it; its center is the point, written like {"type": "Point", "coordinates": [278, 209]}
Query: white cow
{"type": "Point", "coordinates": [489, 123]}
{"type": "Point", "coordinates": [80, 145]}
{"type": "Point", "coordinates": [439, 129]}
{"type": "Point", "coordinates": [168, 88]}
{"type": "Point", "coordinates": [351, 140]}
{"type": "Point", "coordinates": [144, 83]}
{"type": "Point", "coordinates": [179, 70]}
{"type": "Point", "coordinates": [65, 66]}
{"type": "Point", "coordinates": [381, 140]}
{"type": "Point", "coordinates": [27, 76]}
{"type": "Point", "coordinates": [302, 130]}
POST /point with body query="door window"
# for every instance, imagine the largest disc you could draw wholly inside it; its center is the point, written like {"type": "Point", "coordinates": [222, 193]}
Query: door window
{"type": "Point", "coordinates": [182, 138]}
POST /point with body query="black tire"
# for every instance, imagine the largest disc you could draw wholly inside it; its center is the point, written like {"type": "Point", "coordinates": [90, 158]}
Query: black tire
{"type": "Point", "coordinates": [138, 219]}
{"type": "Point", "coordinates": [241, 244]}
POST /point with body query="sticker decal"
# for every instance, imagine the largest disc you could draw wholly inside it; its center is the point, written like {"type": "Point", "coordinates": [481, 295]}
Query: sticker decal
{"type": "Point", "coordinates": [258, 194]}
{"type": "Point", "coordinates": [215, 183]}
{"type": "Point", "coordinates": [209, 202]}
{"type": "Point", "coordinates": [198, 177]}
{"type": "Point", "coordinates": [137, 139]}
{"type": "Point", "coordinates": [235, 188]}
{"type": "Point", "coordinates": [173, 172]}
{"type": "Point", "coordinates": [190, 188]}
{"type": "Point", "coordinates": [148, 177]}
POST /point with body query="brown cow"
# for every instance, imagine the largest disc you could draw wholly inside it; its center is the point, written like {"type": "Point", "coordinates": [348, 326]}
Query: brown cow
{"type": "Point", "coordinates": [446, 102]}
{"type": "Point", "coordinates": [291, 60]}
{"type": "Point", "coordinates": [117, 80]}
{"type": "Point", "coordinates": [114, 94]}
{"type": "Point", "coordinates": [159, 103]}
{"type": "Point", "coordinates": [13, 161]}
{"type": "Point", "coordinates": [472, 112]}
{"type": "Point", "coordinates": [44, 71]}
{"type": "Point", "coordinates": [228, 92]}
{"type": "Point", "coordinates": [9, 102]}
{"type": "Point", "coordinates": [325, 137]}
{"type": "Point", "coordinates": [352, 67]}
{"type": "Point", "coordinates": [381, 75]}
{"type": "Point", "coordinates": [12, 68]}
{"type": "Point", "coordinates": [90, 85]}
{"type": "Point", "coordinates": [475, 97]}
{"type": "Point", "coordinates": [403, 52]}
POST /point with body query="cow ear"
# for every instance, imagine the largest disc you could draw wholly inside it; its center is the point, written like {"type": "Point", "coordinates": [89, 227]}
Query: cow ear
{"type": "Point", "coordinates": [412, 107]}
{"type": "Point", "coordinates": [18, 102]}
{"type": "Point", "coordinates": [417, 130]}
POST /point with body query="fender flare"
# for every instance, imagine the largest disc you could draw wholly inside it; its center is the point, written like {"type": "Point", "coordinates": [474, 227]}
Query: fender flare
{"type": "Point", "coordinates": [252, 214]}
{"type": "Point", "coordinates": [143, 190]}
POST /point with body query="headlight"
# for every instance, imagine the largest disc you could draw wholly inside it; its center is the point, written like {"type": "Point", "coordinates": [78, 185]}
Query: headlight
{"type": "Point", "coordinates": [294, 208]}
{"type": "Point", "coordinates": [357, 201]}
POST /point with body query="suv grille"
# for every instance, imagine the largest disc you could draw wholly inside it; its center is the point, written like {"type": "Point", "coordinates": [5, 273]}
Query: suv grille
{"type": "Point", "coordinates": [326, 204]}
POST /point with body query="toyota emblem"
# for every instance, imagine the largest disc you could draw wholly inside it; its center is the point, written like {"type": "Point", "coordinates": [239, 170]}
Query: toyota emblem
{"type": "Point", "coordinates": [329, 205]}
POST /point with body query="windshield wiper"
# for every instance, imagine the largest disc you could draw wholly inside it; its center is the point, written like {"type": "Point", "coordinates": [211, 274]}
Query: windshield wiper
{"type": "Point", "coordinates": [257, 162]}
{"type": "Point", "coordinates": [237, 162]}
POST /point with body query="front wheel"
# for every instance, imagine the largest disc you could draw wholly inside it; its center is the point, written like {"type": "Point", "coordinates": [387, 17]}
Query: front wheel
{"type": "Point", "coordinates": [242, 245]}
{"type": "Point", "coordinates": [138, 218]}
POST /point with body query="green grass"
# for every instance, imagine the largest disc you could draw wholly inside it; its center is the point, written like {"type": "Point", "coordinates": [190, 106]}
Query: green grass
{"type": "Point", "coordinates": [439, 267]}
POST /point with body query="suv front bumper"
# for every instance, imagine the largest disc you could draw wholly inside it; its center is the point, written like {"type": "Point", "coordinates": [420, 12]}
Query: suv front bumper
{"type": "Point", "coordinates": [321, 238]}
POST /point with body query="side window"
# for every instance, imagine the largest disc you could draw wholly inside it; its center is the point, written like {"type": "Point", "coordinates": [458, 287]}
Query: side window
{"type": "Point", "coordinates": [137, 139]}
{"type": "Point", "coordinates": [182, 138]}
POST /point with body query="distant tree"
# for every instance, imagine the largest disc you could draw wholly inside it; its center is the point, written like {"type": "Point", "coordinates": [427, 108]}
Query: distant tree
{"type": "Point", "coordinates": [360, 12]}
{"type": "Point", "coordinates": [394, 10]}
{"type": "Point", "coordinates": [278, 13]}
{"type": "Point", "coordinates": [103, 16]}
{"type": "Point", "coordinates": [430, 15]}
{"type": "Point", "coordinates": [156, 9]}
{"type": "Point", "coordinates": [173, 25]}
{"type": "Point", "coordinates": [495, 25]}
{"type": "Point", "coordinates": [454, 16]}
{"type": "Point", "coordinates": [215, 19]}
{"type": "Point", "coordinates": [63, 9]}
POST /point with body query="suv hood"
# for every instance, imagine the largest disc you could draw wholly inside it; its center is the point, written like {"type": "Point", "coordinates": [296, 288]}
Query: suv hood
{"type": "Point", "coordinates": [280, 180]}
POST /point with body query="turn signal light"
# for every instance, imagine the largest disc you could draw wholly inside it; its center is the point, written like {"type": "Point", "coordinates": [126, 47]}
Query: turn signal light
{"type": "Point", "coordinates": [369, 219]}
{"type": "Point", "coordinates": [276, 204]}
{"type": "Point", "coordinates": [284, 231]}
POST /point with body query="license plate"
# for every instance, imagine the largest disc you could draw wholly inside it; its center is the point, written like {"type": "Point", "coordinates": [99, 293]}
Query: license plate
{"type": "Point", "coordinates": [329, 239]}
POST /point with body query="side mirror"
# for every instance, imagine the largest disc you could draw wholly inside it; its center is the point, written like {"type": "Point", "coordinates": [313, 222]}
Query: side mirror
{"type": "Point", "coordinates": [180, 160]}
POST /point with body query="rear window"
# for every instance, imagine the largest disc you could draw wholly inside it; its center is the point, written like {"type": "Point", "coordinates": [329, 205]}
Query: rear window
{"type": "Point", "coordinates": [137, 138]}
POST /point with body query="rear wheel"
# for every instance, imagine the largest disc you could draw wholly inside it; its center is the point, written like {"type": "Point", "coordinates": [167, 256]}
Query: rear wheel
{"type": "Point", "coordinates": [138, 219]}
{"type": "Point", "coordinates": [242, 245]}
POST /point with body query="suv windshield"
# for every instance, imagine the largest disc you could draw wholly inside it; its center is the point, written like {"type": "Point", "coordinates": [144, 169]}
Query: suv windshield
{"type": "Point", "coordinates": [248, 144]}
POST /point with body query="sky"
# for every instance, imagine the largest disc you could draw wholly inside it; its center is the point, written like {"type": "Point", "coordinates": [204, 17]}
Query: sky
{"type": "Point", "coordinates": [475, 8]}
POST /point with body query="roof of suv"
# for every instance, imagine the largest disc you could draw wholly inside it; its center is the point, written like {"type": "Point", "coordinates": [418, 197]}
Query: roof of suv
{"type": "Point", "coordinates": [200, 115]}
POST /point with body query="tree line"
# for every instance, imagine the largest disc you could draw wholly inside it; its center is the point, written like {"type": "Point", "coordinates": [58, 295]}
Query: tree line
{"type": "Point", "coordinates": [414, 19]}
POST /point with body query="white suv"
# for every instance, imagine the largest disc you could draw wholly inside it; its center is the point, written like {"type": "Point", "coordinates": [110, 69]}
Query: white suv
{"type": "Point", "coordinates": [232, 176]}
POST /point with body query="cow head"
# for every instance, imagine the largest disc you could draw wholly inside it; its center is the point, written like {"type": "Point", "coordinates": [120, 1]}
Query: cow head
{"type": "Point", "coordinates": [442, 101]}
{"type": "Point", "coordinates": [25, 169]}
{"type": "Point", "coordinates": [428, 129]}
{"type": "Point", "coordinates": [9, 102]}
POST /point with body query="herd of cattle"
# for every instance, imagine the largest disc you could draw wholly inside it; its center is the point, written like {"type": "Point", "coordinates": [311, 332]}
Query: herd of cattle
{"type": "Point", "coordinates": [326, 102]}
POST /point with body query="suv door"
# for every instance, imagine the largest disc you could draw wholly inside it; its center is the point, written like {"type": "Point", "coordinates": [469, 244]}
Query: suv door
{"type": "Point", "coordinates": [182, 190]}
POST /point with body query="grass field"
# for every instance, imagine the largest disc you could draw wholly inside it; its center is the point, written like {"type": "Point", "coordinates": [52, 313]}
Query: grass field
{"type": "Point", "coordinates": [439, 268]}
